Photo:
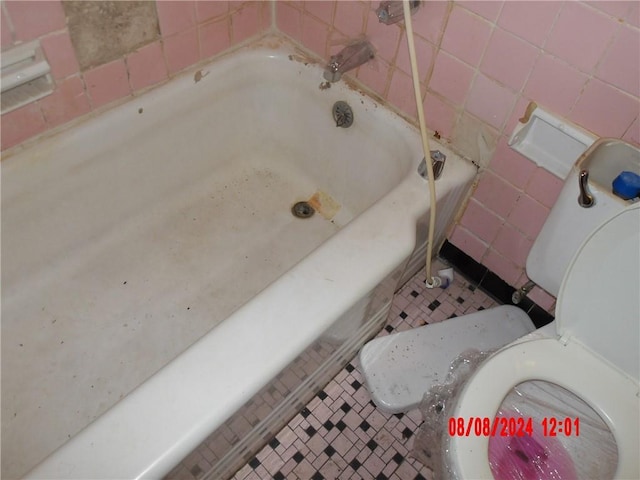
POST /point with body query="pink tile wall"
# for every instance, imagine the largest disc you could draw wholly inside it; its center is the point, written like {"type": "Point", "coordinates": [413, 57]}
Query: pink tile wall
{"type": "Point", "coordinates": [190, 31]}
{"type": "Point", "coordinates": [487, 60]}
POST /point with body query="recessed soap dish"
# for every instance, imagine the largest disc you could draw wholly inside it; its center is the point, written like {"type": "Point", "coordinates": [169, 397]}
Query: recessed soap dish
{"type": "Point", "coordinates": [25, 76]}
{"type": "Point", "coordinates": [551, 142]}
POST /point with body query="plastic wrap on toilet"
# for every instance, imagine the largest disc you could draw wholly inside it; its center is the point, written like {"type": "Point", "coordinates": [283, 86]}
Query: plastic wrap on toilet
{"type": "Point", "coordinates": [431, 445]}
{"type": "Point", "coordinates": [569, 440]}
{"type": "Point", "coordinates": [538, 452]}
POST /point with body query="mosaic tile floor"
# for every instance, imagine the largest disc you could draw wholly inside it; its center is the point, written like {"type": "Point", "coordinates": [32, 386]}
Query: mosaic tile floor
{"type": "Point", "coordinates": [340, 434]}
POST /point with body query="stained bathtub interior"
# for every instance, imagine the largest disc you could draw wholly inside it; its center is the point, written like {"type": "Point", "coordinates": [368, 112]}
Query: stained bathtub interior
{"type": "Point", "coordinates": [122, 247]}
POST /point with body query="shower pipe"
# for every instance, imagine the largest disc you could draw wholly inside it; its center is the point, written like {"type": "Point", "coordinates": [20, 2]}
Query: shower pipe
{"type": "Point", "coordinates": [430, 281]}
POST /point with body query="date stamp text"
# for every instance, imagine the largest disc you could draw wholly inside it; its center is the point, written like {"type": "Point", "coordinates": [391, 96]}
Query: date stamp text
{"type": "Point", "coordinates": [513, 426]}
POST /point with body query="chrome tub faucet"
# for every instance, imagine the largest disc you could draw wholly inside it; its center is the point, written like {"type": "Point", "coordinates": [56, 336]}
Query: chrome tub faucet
{"type": "Point", "coordinates": [348, 58]}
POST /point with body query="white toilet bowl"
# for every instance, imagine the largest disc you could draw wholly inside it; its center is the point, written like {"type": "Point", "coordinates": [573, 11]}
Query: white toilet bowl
{"type": "Point", "coordinates": [595, 354]}
{"type": "Point", "coordinates": [612, 395]}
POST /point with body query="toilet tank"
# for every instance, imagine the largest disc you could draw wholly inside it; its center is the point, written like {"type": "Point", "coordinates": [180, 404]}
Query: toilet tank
{"type": "Point", "coordinates": [569, 224]}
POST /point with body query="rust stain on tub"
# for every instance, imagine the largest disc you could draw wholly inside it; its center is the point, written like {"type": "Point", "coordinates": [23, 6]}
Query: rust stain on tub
{"type": "Point", "coordinates": [303, 58]}
{"type": "Point", "coordinates": [324, 204]}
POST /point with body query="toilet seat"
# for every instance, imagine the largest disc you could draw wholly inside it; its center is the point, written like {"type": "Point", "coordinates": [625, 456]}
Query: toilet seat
{"type": "Point", "coordinates": [614, 397]}
{"type": "Point", "coordinates": [594, 354]}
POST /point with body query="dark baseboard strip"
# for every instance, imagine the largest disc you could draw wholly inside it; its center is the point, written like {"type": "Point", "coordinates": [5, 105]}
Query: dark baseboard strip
{"type": "Point", "coordinates": [490, 283]}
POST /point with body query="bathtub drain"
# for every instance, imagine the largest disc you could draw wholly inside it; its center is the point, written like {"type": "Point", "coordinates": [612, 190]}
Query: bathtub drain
{"type": "Point", "coordinates": [302, 210]}
{"type": "Point", "coordinates": [342, 114]}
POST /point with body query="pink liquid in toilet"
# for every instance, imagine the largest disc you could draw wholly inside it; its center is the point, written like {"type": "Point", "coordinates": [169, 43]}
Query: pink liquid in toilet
{"type": "Point", "coordinates": [531, 456]}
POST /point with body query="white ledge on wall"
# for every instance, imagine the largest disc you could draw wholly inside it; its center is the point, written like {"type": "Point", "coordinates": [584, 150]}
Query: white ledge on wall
{"type": "Point", "coordinates": [551, 142]}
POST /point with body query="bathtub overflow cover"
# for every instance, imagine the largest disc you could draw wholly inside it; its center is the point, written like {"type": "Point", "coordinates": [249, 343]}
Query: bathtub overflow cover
{"type": "Point", "coordinates": [342, 114]}
{"type": "Point", "coordinates": [302, 210]}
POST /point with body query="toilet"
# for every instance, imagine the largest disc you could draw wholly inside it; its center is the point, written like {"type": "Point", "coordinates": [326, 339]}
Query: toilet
{"type": "Point", "coordinates": [594, 353]}
{"type": "Point", "coordinates": [589, 258]}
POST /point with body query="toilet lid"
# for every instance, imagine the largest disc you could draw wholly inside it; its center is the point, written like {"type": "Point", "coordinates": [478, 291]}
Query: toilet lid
{"type": "Point", "coordinates": [599, 300]}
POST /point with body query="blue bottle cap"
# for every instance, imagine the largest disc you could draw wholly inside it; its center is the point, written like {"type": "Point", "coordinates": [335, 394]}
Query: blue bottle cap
{"type": "Point", "coordinates": [627, 185]}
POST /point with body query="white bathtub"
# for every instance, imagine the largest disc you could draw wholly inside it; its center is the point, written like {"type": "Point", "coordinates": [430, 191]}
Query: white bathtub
{"type": "Point", "coordinates": [155, 286]}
